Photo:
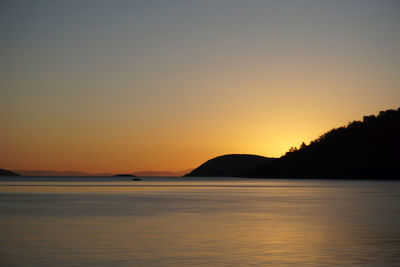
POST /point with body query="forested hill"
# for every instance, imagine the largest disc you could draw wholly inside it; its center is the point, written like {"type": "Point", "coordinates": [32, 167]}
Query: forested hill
{"type": "Point", "coordinates": [362, 149]}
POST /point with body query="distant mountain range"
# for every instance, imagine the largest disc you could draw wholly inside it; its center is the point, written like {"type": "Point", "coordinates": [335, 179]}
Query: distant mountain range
{"type": "Point", "coordinates": [58, 173]}
{"type": "Point", "coordinates": [363, 149]}
{"type": "Point", "coordinates": [162, 173]}
{"type": "Point", "coordinates": [80, 173]}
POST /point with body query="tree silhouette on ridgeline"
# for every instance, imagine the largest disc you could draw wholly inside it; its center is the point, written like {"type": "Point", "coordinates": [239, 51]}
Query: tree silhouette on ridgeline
{"type": "Point", "coordinates": [367, 148]}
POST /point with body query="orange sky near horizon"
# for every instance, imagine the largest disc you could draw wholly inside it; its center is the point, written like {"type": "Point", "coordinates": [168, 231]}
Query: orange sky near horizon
{"type": "Point", "coordinates": [133, 86]}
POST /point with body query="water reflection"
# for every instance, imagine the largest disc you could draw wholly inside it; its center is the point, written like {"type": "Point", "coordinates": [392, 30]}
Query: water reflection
{"type": "Point", "coordinates": [201, 223]}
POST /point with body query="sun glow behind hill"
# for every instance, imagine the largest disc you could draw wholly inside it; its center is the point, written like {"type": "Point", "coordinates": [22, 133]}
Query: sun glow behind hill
{"type": "Point", "coordinates": [162, 85]}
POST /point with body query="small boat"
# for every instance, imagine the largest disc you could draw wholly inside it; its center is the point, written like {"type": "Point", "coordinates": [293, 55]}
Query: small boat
{"type": "Point", "coordinates": [136, 179]}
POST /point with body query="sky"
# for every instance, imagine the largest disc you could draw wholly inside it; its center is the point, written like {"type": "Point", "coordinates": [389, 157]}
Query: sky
{"type": "Point", "coordinates": [123, 86]}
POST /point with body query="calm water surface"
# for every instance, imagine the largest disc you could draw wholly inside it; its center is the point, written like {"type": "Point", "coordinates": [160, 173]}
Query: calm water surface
{"type": "Point", "coordinates": [193, 222]}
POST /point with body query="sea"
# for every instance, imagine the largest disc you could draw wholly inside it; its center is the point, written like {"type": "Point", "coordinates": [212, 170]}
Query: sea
{"type": "Point", "coordinates": [114, 221]}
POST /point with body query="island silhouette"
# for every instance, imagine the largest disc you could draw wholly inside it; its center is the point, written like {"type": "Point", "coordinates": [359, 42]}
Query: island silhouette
{"type": "Point", "coordinates": [4, 172]}
{"type": "Point", "coordinates": [363, 149]}
{"type": "Point", "coordinates": [369, 148]}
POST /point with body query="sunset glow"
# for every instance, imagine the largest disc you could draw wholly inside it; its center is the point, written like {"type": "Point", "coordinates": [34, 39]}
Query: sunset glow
{"type": "Point", "coordinates": [104, 86]}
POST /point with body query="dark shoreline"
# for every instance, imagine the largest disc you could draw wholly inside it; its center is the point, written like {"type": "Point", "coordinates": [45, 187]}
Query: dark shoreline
{"type": "Point", "coordinates": [114, 178]}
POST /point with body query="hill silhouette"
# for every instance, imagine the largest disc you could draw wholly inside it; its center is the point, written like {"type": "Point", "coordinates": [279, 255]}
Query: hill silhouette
{"type": "Point", "coordinates": [229, 165]}
{"type": "Point", "coordinates": [7, 173]}
{"type": "Point", "coordinates": [363, 149]}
